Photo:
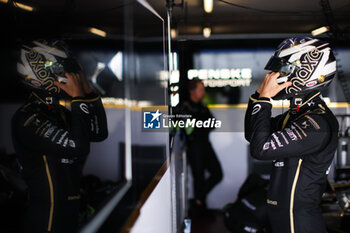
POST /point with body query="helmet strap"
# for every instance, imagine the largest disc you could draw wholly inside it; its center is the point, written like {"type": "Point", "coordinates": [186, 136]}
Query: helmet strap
{"type": "Point", "coordinates": [298, 102]}
{"type": "Point", "coordinates": [49, 102]}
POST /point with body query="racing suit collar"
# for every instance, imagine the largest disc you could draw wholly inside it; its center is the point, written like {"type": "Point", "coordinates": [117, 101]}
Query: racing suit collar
{"type": "Point", "coordinates": [302, 101]}
{"type": "Point", "coordinates": [44, 99]}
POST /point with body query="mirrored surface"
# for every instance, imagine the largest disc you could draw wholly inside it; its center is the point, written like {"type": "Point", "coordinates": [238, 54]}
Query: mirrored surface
{"type": "Point", "coordinates": [124, 64]}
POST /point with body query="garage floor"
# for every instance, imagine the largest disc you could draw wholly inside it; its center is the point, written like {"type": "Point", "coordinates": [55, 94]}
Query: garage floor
{"type": "Point", "coordinates": [215, 222]}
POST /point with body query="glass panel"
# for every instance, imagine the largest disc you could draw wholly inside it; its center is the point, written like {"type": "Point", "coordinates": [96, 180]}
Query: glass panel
{"type": "Point", "coordinates": [144, 62]}
{"type": "Point", "coordinates": [104, 174]}
{"type": "Point", "coordinates": [149, 149]}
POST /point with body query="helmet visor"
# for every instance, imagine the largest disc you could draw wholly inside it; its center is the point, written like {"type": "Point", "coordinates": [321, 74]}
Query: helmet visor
{"type": "Point", "coordinates": [277, 64]}
{"type": "Point", "coordinates": [59, 68]}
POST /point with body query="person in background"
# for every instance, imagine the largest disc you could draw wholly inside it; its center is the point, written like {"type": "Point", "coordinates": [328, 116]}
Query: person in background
{"type": "Point", "coordinates": [200, 153]}
{"type": "Point", "coordinates": [51, 141]}
{"type": "Point", "coordinates": [302, 141]}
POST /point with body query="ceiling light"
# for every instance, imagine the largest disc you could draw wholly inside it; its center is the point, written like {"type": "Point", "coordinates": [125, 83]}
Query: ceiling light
{"type": "Point", "coordinates": [208, 5]}
{"type": "Point", "coordinates": [173, 33]}
{"type": "Point", "coordinates": [319, 31]}
{"type": "Point", "coordinates": [19, 5]}
{"type": "Point", "coordinates": [206, 32]}
{"type": "Point", "coordinates": [116, 65]}
{"type": "Point", "coordinates": [23, 7]}
{"type": "Point", "coordinates": [98, 32]}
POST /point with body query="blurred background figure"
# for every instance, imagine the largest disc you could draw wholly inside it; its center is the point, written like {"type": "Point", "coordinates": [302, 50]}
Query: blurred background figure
{"type": "Point", "coordinates": [201, 156]}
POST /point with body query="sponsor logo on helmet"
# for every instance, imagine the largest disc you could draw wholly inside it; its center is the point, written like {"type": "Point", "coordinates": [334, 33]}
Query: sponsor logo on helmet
{"type": "Point", "coordinates": [312, 83]}
{"type": "Point", "coordinates": [36, 63]}
{"type": "Point", "coordinates": [308, 64]}
{"type": "Point", "coordinates": [36, 83]}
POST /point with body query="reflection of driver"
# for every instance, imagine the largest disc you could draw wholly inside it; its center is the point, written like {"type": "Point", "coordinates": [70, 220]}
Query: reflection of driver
{"type": "Point", "coordinates": [300, 142]}
{"type": "Point", "coordinates": [51, 141]}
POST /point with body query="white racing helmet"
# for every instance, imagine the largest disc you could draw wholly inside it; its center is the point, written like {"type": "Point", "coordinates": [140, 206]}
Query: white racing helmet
{"type": "Point", "coordinates": [42, 62]}
{"type": "Point", "coordinates": [308, 63]}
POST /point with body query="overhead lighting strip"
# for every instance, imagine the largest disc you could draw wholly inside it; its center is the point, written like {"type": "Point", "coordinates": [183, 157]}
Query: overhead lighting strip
{"type": "Point", "coordinates": [19, 5]}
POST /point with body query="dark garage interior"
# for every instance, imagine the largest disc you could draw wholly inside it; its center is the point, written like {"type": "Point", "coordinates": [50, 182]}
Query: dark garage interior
{"type": "Point", "coordinates": [139, 65]}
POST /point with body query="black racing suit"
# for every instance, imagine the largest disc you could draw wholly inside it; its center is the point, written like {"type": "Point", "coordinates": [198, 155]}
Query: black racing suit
{"type": "Point", "coordinates": [302, 145]}
{"type": "Point", "coordinates": [201, 155]}
{"type": "Point", "coordinates": [52, 143]}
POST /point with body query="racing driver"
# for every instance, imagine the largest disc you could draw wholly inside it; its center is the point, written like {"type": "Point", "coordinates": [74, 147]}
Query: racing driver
{"type": "Point", "coordinates": [301, 142]}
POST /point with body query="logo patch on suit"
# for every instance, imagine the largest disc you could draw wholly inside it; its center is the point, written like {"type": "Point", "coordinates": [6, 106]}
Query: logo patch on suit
{"type": "Point", "coordinates": [256, 109]}
{"type": "Point", "coordinates": [84, 108]}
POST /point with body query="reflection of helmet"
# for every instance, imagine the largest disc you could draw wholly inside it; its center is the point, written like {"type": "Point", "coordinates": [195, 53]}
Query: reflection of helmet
{"type": "Point", "coordinates": [308, 63]}
{"type": "Point", "coordinates": [43, 62]}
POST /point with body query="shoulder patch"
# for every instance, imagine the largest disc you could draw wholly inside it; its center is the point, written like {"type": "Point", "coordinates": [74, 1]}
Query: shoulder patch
{"type": "Point", "coordinates": [256, 109]}
{"type": "Point", "coordinates": [313, 122]}
{"type": "Point", "coordinates": [25, 107]}
{"type": "Point", "coordinates": [32, 119]}
{"type": "Point", "coordinates": [84, 108]}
